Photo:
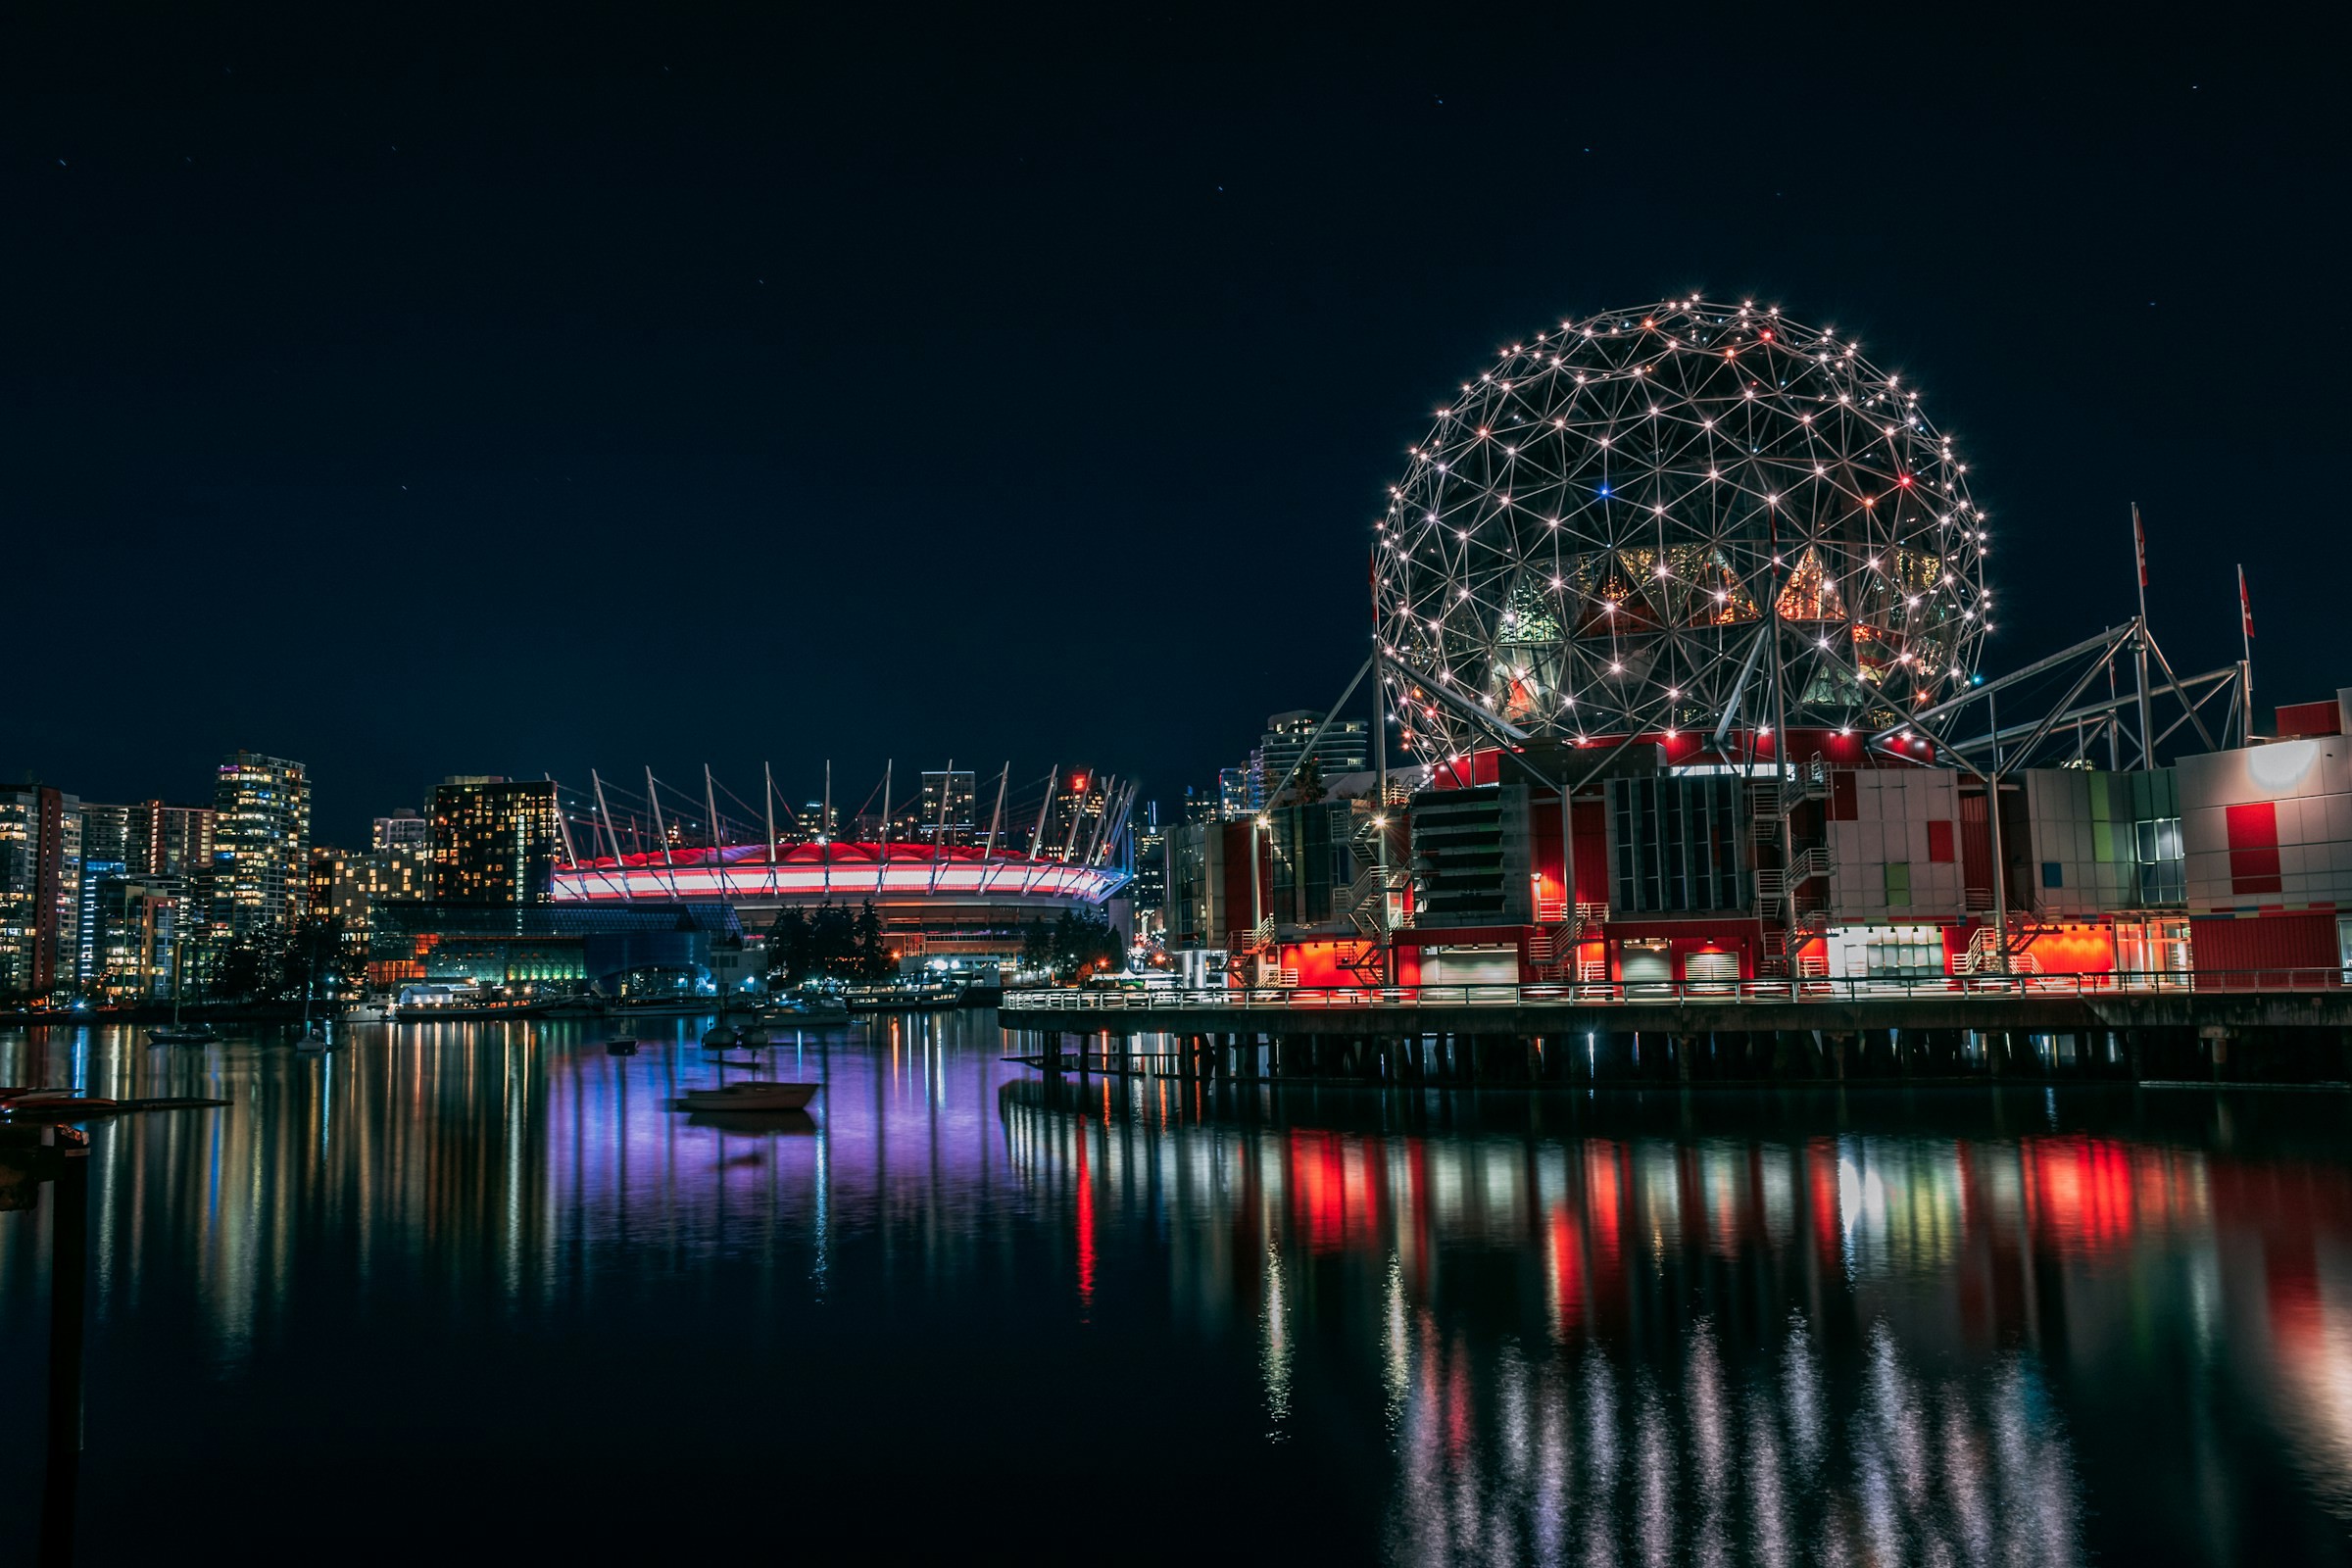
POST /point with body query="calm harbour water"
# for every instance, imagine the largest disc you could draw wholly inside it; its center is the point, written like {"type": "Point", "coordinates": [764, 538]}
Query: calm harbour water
{"type": "Point", "coordinates": [454, 1290]}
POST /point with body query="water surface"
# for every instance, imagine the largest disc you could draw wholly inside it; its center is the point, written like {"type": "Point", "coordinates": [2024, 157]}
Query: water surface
{"type": "Point", "coordinates": [457, 1290]}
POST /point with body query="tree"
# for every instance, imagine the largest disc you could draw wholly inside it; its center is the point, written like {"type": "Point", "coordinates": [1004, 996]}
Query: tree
{"type": "Point", "coordinates": [789, 948]}
{"type": "Point", "coordinates": [1074, 944]}
{"type": "Point", "coordinates": [316, 960]}
{"type": "Point", "coordinates": [872, 960]}
{"type": "Point", "coordinates": [237, 972]}
{"type": "Point", "coordinates": [1305, 786]}
{"type": "Point", "coordinates": [828, 941]}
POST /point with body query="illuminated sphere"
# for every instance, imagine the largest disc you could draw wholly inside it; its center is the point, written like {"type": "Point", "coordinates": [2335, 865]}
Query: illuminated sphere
{"type": "Point", "coordinates": [1603, 532]}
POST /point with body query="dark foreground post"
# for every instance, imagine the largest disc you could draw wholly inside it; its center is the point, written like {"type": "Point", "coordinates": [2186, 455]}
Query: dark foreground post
{"type": "Point", "coordinates": [68, 1269]}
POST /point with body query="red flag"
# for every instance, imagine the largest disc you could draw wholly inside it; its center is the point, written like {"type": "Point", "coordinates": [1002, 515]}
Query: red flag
{"type": "Point", "coordinates": [2246, 605]}
{"type": "Point", "coordinates": [2139, 544]}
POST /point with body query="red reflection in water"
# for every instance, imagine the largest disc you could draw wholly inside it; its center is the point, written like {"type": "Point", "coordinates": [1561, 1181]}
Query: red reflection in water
{"type": "Point", "coordinates": [1567, 1241]}
{"type": "Point", "coordinates": [2079, 1192]}
{"type": "Point", "coordinates": [1331, 1196]}
{"type": "Point", "coordinates": [1821, 1181]}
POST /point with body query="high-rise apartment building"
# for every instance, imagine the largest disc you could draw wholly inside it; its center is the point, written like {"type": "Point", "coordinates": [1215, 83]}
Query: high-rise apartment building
{"type": "Point", "coordinates": [41, 888]}
{"type": "Point", "coordinates": [136, 939]}
{"type": "Point", "coordinates": [1074, 814]}
{"type": "Point", "coordinates": [150, 839]}
{"type": "Point", "coordinates": [1234, 800]}
{"type": "Point", "coordinates": [946, 811]}
{"type": "Point", "coordinates": [404, 829]}
{"type": "Point", "coordinates": [401, 874]}
{"type": "Point", "coordinates": [1344, 747]}
{"type": "Point", "coordinates": [339, 889]}
{"type": "Point", "coordinates": [260, 845]}
{"type": "Point", "coordinates": [95, 873]}
{"type": "Point", "coordinates": [494, 841]}
{"type": "Point", "coordinates": [1150, 889]}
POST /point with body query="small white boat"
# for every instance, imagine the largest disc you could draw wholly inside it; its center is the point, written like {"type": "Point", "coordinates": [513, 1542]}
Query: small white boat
{"type": "Point", "coordinates": [751, 1095]}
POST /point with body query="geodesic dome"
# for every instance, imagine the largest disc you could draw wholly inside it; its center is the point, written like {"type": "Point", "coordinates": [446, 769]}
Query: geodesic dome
{"type": "Point", "coordinates": [1649, 519]}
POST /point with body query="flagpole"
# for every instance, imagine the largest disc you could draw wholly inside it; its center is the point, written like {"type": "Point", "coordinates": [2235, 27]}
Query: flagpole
{"type": "Point", "coordinates": [2139, 644]}
{"type": "Point", "coordinates": [2245, 667]}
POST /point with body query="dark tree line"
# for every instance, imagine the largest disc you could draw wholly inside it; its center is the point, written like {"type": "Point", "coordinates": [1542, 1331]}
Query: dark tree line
{"type": "Point", "coordinates": [1074, 944]}
{"type": "Point", "coordinates": [313, 958]}
{"type": "Point", "coordinates": [828, 942]}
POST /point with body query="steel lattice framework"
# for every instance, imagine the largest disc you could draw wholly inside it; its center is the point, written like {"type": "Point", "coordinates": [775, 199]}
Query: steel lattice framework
{"type": "Point", "coordinates": [1603, 533]}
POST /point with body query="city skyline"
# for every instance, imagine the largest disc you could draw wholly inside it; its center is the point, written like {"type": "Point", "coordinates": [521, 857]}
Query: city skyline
{"type": "Point", "coordinates": [535, 407]}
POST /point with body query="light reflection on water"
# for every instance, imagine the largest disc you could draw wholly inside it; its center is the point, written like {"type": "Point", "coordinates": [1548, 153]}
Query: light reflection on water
{"type": "Point", "coordinates": [1949, 1329]}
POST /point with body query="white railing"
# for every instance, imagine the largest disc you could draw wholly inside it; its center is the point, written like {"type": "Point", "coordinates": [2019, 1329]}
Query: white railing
{"type": "Point", "coordinates": [1715, 993]}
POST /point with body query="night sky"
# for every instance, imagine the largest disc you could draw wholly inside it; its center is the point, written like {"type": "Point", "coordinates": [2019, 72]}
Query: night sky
{"type": "Point", "coordinates": [415, 396]}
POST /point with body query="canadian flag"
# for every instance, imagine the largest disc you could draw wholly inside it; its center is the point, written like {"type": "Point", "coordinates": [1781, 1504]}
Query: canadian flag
{"type": "Point", "coordinates": [2246, 605]}
{"type": "Point", "coordinates": [2139, 544]}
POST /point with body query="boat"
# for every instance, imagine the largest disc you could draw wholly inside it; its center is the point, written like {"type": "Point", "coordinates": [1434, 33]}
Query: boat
{"type": "Point", "coordinates": [751, 1035]}
{"type": "Point", "coordinates": [314, 1035]}
{"type": "Point", "coordinates": [181, 1034]}
{"type": "Point", "coordinates": [622, 1046]}
{"type": "Point", "coordinates": [763, 1123]}
{"type": "Point", "coordinates": [752, 1094]}
{"type": "Point", "coordinates": [722, 1038]}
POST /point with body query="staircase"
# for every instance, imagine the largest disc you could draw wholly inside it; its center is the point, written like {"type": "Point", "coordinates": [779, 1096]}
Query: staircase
{"type": "Point", "coordinates": [1984, 954]}
{"type": "Point", "coordinates": [1779, 940]}
{"type": "Point", "coordinates": [1551, 951]}
{"type": "Point", "coordinates": [1367, 901]}
{"type": "Point", "coordinates": [1774, 882]}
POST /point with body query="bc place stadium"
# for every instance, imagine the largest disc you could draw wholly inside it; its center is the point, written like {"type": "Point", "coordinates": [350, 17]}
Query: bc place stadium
{"type": "Point", "coordinates": [955, 867]}
{"type": "Point", "coordinates": [649, 890]}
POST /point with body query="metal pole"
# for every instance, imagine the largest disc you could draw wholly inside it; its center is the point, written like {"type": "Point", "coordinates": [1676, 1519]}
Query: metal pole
{"type": "Point", "coordinates": [1781, 781]}
{"type": "Point", "coordinates": [2115, 746]}
{"type": "Point", "coordinates": [767, 810]}
{"type": "Point", "coordinates": [652, 799]}
{"type": "Point", "coordinates": [1379, 823]}
{"type": "Point", "coordinates": [882, 861]}
{"type": "Point", "coordinates": [2000, 867]}
{"type": "Point", "coordinates": [2139, 644]}
{"type": "Point", "coordinates": [619, 866]}
{"type": "Point", "coordinates": [1257, 915]}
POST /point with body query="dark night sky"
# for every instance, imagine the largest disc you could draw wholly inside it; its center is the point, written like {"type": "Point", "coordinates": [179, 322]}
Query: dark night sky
{"type": "Point", "coordinates": [418, 396]}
